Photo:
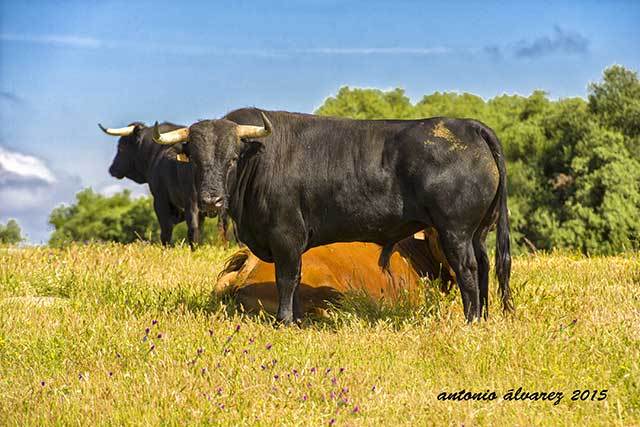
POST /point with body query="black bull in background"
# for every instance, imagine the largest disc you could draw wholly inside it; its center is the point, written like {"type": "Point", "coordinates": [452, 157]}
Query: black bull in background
{"type": "Point", "coordinates": [295, 181]}
{"type": "Point", "coordinates": [169, 175]}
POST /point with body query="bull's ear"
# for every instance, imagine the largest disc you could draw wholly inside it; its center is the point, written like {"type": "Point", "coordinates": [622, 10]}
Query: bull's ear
{"type": "Point", "coordinates": [181, 157]}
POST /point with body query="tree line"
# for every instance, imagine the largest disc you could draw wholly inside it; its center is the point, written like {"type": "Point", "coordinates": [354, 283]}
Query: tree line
{"type": "Point", "coordinates": [573, 167]}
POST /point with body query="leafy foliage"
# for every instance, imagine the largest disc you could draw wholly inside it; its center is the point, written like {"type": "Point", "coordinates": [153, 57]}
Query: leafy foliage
{"type": "Point", "coordinates": [573, 165]}
{"type": "Point", "coordinates": [11, 233]}
{"type": "Point", "coordinates": [118, 218]}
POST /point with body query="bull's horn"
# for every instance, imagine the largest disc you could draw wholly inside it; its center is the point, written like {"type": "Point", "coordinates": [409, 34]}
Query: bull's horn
{"type": "Point", "coordinates": [126, 131]}
{"type": "Point", "coordinates": [172, 137]}
{"type": "Point", "coordinates": [245, 131]}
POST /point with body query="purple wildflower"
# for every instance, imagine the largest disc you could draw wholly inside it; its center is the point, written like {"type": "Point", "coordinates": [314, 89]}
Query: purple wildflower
{"type": "Point", "coordinates": [222, 406]}
{"type": "Point", "coordinates": [159, 335]}
{"type": "Point", "coordinates": [332, 421]}
{"type": "Point", "coordinates": [146, 331]}
{"type": "Point", "coordinates": [341, 370]}
{"type": "Point", "coordinates": [238, 328]}
{"type": "Point", "coordinates": [219, 391]}
{"type": "Point", "coordinates": [226, 351]}
{"type": "Point", "coordinates": [313, 370]}
{"type": "Point", "coordinates": [274, 361]}
{"type": "Point", "coordinates": [373, 388]}
{"type": "Point", "coordinates": [327, 372]}
{"type": "Point", "coordinates": [269, 346]}
{"type": "Point", "coordinates": [204, 371]}
{"type": "Point", "coordinates": [200, 351]}
{"type": "Point", "coordinates": [252, 340]}
{"type": "Point", "coordinates": [155, 322]}
{"type": "Point", "coordinates": [263, 367]}
{"type": "Point", "coordinates": [356, 409]}
{"type": "Point", "coordinates": [333, 380]}
{"type": "Point", "coordinates": [152, 347]}
{"type": "Point", "coordinates": [295, 372]}
{"type": "Point", "coordinates": [304, 397]}
{"type": "Point", "coordinates": [276, 376]}
{"type": "Point", "coordinates": [42, 383]}
{"type": "Point", "coordinates": [110, 374]}
{"type": "Point", "coordinates": [210, 332]}
{"type": "Point", "coordinates": [332, 395]}
{"type": "Point", "coordinates": [245, 351]}
{"type": "Point", "coordinates": [80, 376]}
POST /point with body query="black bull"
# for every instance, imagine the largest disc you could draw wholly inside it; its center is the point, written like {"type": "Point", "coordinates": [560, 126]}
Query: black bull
{"type": "Point", "coordinates": [171, 182]}
{"type": "Point", "coordinates": [316, 180]}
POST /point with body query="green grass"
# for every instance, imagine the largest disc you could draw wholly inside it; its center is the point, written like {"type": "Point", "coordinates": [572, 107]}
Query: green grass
{"type": "Point", "coordinates": [74, 349]}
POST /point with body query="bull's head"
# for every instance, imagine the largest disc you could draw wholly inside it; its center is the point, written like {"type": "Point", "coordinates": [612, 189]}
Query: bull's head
{"type": "Point", "coordinates": [211, 146]}
{"type": "Point", "coordinates": [123, 164]}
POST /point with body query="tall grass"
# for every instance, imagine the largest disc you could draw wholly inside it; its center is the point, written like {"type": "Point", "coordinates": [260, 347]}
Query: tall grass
{"type": "Point", "coordinates": [136, 335]}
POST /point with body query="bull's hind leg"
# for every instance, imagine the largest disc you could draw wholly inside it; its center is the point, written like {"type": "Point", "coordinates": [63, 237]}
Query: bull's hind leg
{"type": "Point", "coordinates": [482, 259]}
{"type": "Point", "coordinates": [461, 256]}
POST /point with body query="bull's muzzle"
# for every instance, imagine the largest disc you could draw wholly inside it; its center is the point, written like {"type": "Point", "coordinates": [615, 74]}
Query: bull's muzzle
{"type": "Point", "coordinates": [211, 204]}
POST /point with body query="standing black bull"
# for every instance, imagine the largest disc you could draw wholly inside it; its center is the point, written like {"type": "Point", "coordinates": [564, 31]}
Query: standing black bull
{"type": "Point", "coordinates": [170, 180]}
{"type": "Point", "coordinates": [306, 181]}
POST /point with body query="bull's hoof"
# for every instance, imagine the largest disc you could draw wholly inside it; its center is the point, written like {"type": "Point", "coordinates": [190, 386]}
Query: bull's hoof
{"type": "Point", "coordinates": [288, 322]}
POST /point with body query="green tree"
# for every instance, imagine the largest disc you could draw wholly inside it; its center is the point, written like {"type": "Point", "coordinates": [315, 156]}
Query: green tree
{"type": "Point", "coordinates": [11, 233]}
{"type": "Point", "coordinates": [616, 100]}
{"type": "Point", "coordinates": [367, 104]}
{"type": "Point", "coordinates": [118, 218]}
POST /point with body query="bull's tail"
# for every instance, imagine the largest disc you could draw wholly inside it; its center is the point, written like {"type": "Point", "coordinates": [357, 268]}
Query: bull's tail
{"type": "Point", "coordinates": [503, 245]}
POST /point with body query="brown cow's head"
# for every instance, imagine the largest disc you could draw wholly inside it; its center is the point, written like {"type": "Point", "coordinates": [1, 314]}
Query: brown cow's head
{"type": "Point", "coordinates": [211, 146]}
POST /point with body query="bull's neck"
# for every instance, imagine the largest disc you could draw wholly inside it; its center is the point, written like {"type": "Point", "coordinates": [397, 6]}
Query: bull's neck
{"type": "Point", "coordinates": [148, 155]}
{"type": "Point", "coordinates": [239, 181]}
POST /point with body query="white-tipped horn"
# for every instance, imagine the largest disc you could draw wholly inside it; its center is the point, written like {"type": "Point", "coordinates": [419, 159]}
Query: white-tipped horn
{"type": "Point", "coordinates": [126, 131]}
{"type": "Point", "coordinates": [172, 137]}
{"type": "Point", "coordinates": [246, 131]}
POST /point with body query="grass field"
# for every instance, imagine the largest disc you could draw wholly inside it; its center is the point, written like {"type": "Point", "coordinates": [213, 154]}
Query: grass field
{"type": "Point", "coordinates": [135, 335]}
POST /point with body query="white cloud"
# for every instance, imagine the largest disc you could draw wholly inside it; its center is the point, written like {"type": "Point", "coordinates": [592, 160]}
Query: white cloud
{"type": "Point", "coordinates": [29, 190]}
{"type": "Point", "coordinates": [375, 50]}
{"type": "Point", "coordinates": [201, 50]}
{"type": "Point", "coordinates": [16, 166]}
{"type": "Point", "coordinates": [137, 190]}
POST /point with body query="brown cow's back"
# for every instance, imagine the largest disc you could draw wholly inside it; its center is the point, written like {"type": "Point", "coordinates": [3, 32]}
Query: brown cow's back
{"type": "Point", "coordinates": [330, 271]}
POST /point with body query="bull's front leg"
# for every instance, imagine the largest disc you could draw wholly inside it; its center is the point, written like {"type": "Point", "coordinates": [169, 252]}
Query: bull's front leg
{"type": "Point", "coordinates": [192, 217]}
{"type": "Point", "coordinates": [163, 213]}
{"type": "Point", "coordinates": [288, 268]}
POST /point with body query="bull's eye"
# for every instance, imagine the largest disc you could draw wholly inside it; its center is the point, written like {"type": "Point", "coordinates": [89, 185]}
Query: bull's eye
{"type": "Point", "coordinates": [181, 157]}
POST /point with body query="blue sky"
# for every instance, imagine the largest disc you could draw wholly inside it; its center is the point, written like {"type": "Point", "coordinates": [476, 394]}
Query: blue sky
{"type": "Point", "coordinates": [67, 65]}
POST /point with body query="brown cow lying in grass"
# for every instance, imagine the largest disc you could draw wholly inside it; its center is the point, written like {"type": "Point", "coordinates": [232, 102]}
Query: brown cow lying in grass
{"type": "Point", "coordinates": [328, 272]}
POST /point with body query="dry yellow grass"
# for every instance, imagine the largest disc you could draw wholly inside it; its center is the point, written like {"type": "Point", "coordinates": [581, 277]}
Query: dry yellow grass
{"type": "Point", "coordinates": [75, 350]}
